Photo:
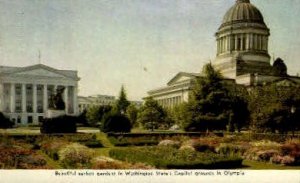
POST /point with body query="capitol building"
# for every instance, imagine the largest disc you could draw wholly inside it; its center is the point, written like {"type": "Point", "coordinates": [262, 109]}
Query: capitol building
{"type": "Point", "coordinates": [25, 92]}
{"type": "Point", "coordinates": [242, 57]}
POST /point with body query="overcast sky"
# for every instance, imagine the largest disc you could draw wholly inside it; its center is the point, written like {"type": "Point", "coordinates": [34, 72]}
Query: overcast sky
{"type": "Point", "coordinates": [139, 43]}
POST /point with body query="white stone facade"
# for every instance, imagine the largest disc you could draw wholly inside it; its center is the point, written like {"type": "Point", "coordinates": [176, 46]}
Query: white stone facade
{"type": "Point", "coordinates": [95, 100]}
{"type": "Point", "coordinates": [25, 92]}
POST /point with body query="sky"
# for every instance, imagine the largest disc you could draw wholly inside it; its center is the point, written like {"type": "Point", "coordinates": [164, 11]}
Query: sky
{"type": "Point", "coordinates": [140, 44]}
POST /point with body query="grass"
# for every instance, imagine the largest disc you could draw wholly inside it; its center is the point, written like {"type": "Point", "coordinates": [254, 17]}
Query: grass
{"type": "Point", "coordinates": [255, 165]}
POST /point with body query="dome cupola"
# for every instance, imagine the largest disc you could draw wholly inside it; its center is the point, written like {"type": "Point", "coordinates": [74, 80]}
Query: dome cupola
{"type": "Point", "coordinates": [242, 41]}
{"type": "Point", "coordinates": [243, 11]}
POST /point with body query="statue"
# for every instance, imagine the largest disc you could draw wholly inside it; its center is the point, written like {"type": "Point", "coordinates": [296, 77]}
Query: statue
{"type": "Point", "coordinates": [56, 101]}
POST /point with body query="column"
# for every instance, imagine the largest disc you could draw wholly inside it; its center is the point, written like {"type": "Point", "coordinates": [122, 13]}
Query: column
{"type": "Point", "coordinates": [54, 88]}
{"type": "Point", "coordinates": [34, 96]}
{"type": "Point", "coordinates": [267, 41]}
{"type": "Point", "coordinates": [66, 99]}
{"type": "Point", "coordinates": [2, 97]}
{"type": "Point", "coordinates": [24, 98]}
{"type": "Point", "coordinates": [12, 97]}
{"type": "Point", "coordinates": [218, 47]}
{"type": "Point", "coordinates": [242, 42]}
{"type": "Point", "coordinates": [75, 102]}
{"type": "Point", "coordinates": [258, 42]}
{"type": "Point", "coordinates": [229, 43]}
{"type": "Point", "coordinates": [45, 98]}
{"type": "Point", "coordinates": [236, 42]}
{"type": "Point", "coordinates": [247, 41]}
{"type": "Point", "coordinates": [226, 43]}
{"type": "Point", "coordinates": [254, 42]}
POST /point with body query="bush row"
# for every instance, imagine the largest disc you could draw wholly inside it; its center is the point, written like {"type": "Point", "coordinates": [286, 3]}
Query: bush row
{"type": "Point", "coordinates": [168, 157]}
{"type": "Point", "coordinates": [86, 139]}
{"type": "Point", "coordinates": [15, 155]}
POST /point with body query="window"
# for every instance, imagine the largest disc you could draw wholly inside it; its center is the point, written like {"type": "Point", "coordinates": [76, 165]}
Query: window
{"type": "Point", "coordinates": [41, 118]}
{"type": "Point", "coordinates": [19, 119]}
{"type": "Point", "coordinates": [239, 43]}
{"type": "Point", "coordinates": [29, 119]}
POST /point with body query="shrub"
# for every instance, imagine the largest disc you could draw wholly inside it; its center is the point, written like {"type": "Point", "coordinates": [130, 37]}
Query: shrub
{"type": "Point", "coordinates": [62, 124]}
{"type": "Point", "coordinates": [133, 141]}
{"type": "Point", "coordinates": [103, 162]}
{"type": "Point", "coordinates": [266, 155]}
{"type": "Point", "coordinates": [285, 160]}
{"type": "Point", "coordinates": [201, 145]}
{"type": "Point", "coordinates": [52, 146]}
{"type": "Point", "coordinates": [292, 149]}
{"type": "Point", "coordinates": [265, 145]}
{"type": "Point", "coordinates": [5, 122]}
{"type": "Point", "coordinates": [33, 161]}
{"type": "Point", "coordinates": [167, 157]}
{"type": "Point", "coordinates": [18, 157]}
{"type": "Point", "coordinates": [115, 123]}
{"type": "Point", "coordinates": [231, 150]}
{"type": "Point", "coordinates": [169, 143]}
{"type": "Point", "coordinates": [187, 148]}
{"type": "Point", "coordinates": [75, 156]}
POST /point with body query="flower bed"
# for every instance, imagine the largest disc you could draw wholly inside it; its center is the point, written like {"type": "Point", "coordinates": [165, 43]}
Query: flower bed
{"type": "Point", "coordinates": [135, 141]}
{"type": "Point", "coordinates": [168, 157]}
{"type": "Point", "coordinates": [75, 156]}
{"type": "Point", "coordinates": [19, 157]}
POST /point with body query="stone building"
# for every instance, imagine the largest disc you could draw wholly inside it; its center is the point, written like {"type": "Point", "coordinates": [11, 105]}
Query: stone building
{"type": "Point", "coordinates": [242, 56]}
{"type": "Point", "coordinates": [100, 100]}
{"type": "Point", "coordinates": [25, 91]}
{"type": "Point", "coordinates": [95, 100]}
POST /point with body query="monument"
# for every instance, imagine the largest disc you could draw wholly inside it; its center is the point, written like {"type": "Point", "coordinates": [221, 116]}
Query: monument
{"type": "Point", "coordinates": [56, 120]}
{"type": "Point", "coordinates": [56, 106]}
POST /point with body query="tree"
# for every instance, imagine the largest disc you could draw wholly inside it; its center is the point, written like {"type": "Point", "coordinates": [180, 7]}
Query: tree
{"type": "Point", "coordinates": [151, 115]}
{"type": "Point", "coordinates": [212, 106]}
{"type": "Point", "coordinates": [271, 108]}
{"type": "Point", "coordinates": [181, 115]}
{"type": "Point", "coordinates": [131, 113]}
{"type": "Point", "coordinates": [115, 122]}
{"type": "Point", "coordinates": [95, 114]}
{"type": "Point", "coordinates": [122, 102]}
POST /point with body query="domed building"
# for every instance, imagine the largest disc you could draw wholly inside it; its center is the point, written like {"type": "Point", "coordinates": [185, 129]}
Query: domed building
{"type": "Point", "coordinates": [242, 56]}
{"type": "Point", "coordinates": [242, 42]}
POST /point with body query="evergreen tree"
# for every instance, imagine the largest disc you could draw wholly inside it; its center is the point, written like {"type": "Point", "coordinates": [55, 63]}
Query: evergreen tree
{"type": "Point", "coordinates": [275, 108]}
{"type": "Point", "coordinates": [122, 102]}
{"type": "Point", "coordinates": [151, 115]}
{"type": "Point", "coordinates": [131, 113]}
{"type": "Point", "coordinates": [212, 106]}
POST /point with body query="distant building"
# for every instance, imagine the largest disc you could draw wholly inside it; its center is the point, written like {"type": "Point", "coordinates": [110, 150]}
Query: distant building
{"type": "Point", "coordinates": [242, 57]}
{"type": "Point", "coordinates": [95, 100]}
{"type": "Point", "coordinates": [100, 100]}
{"type": "Point", "coordinates": [25, 91]}
{"type": "Point", "coordinates": [138, 104]}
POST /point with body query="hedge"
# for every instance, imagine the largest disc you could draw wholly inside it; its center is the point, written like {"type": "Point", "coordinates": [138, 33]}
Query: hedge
{"type": "Point", "coordinates": [170, 158]}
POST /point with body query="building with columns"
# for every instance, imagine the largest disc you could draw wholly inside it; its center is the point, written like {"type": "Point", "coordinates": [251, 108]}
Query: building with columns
{"type": "Point", "coordinates": [242, 57]}
{"type": "Point", "coordinates": [25, 91]}
{"type": "Point", "coordinates": [84, 103]}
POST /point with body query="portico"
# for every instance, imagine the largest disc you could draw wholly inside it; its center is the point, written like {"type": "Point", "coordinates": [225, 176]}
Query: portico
{"type": "Point", "coordinates": [25, 92]}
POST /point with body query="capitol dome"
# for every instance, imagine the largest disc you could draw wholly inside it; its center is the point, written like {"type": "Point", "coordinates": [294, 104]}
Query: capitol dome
{"type": "Point", "coordinates": [243, 11]}
{"type": "Point", "coordinates": [242, 41]}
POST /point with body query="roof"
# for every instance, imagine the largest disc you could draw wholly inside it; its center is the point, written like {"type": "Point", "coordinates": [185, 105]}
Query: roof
{"type": "Point", "coordinates": [243, 11]}
{"type": "Point", "coordinates": [11, 70]}
{"type": "Point", "coordinates": [186, 74]}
